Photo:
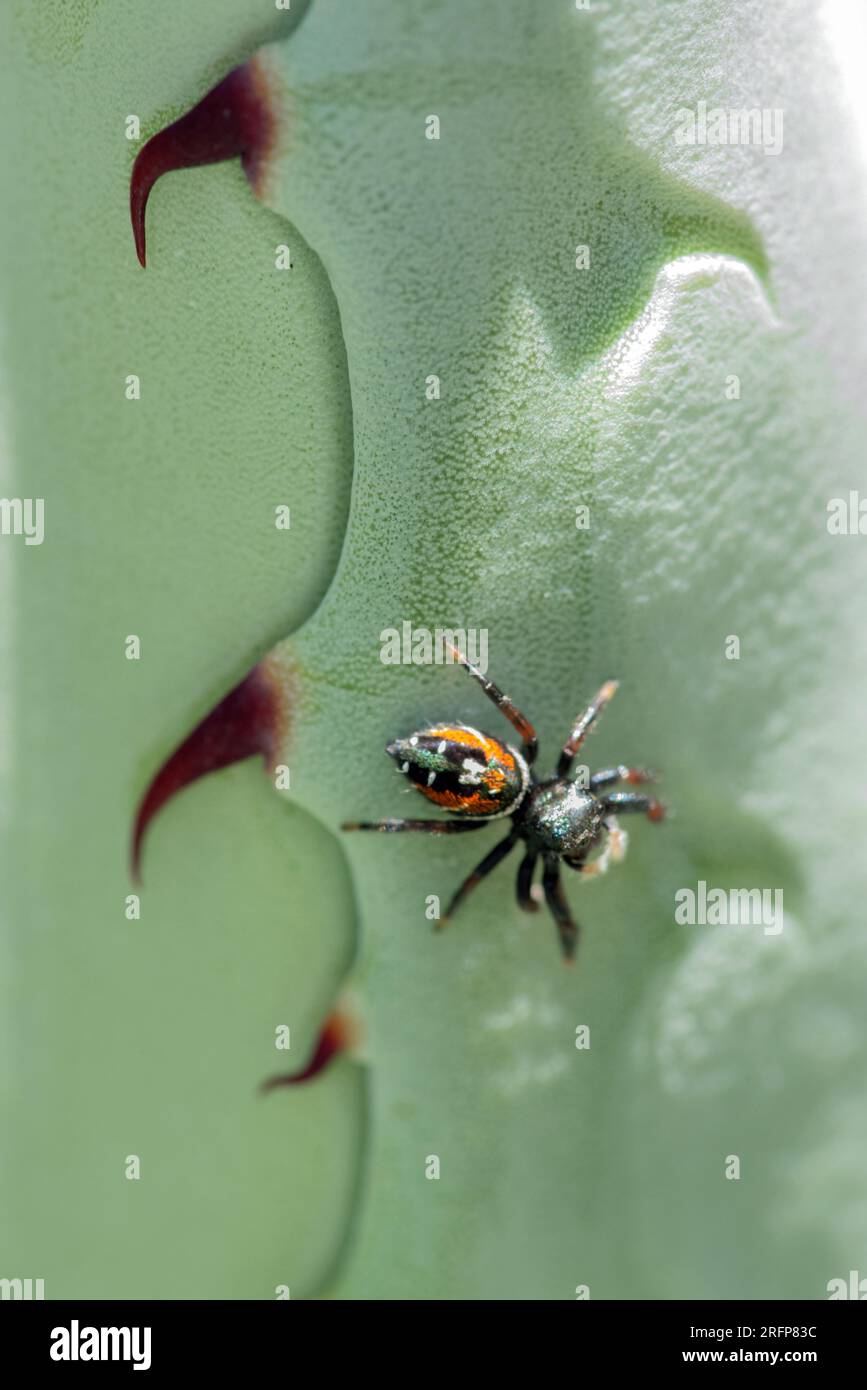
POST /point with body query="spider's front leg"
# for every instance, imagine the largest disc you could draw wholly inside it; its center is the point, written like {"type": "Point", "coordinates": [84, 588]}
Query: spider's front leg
{"type": "Point", "coordinates": [621, 802]}
{"type": "Point", "coordinates": [609, 776]}
{"type": "Point", "coordinates": [559, 908]}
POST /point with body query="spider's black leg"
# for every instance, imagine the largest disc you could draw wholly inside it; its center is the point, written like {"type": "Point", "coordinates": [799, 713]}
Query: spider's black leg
{"type": "Point", "coordinates": [556, 900]}
{"type": "Point", "coordinates": [525, 882]}
{"type": "Point", "coordinates": [619, 802]}
{"type": "Point", "coordinates": [490, 861]}
{"type": "Point", "coordinates": [519, 721]}
{"type": "Point", "coordinates": [634, 776]}
{"type": "Point", "coordinates": [583, 726]}
{"type": "Point", "coordinates": [433, 827]}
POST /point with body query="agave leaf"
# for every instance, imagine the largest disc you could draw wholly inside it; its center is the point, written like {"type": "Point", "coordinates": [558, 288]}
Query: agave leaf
{"type": "Point", "coordinates": [608, 388]}
{"type": "Point", "coordinates": [150, 1037]}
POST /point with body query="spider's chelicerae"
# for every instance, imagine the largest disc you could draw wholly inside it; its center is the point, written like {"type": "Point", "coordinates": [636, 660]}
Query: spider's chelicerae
{"type": "Point", "coordinates": [478, 778]}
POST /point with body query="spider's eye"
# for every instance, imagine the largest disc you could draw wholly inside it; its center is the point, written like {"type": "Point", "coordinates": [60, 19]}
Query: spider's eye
{"type": "Point", "coordinates": [462, 770]}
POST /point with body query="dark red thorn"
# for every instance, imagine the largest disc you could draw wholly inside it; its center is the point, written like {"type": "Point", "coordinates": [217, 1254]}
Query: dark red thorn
{"type": "Point", "coordinates": [656, 811]}
{"type": "Point", "coordinates": [338, 1034]}
{"type": "Point", "coordinates": [246, 722]}
{"type": "Point", "coordinates": [234, 120]}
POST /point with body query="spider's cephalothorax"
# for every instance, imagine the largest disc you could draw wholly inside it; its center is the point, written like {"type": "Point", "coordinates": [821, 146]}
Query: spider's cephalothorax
{"type": "Point", "coordinates": [478, 778]}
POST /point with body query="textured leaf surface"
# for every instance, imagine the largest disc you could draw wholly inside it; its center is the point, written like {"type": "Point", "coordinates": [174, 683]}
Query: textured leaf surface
{"type": "Point", "coordinates": [559, 388]}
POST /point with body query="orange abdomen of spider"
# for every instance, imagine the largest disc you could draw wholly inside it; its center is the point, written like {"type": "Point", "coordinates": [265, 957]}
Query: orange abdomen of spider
{"type": "Point", "coordinates": [463, 770]}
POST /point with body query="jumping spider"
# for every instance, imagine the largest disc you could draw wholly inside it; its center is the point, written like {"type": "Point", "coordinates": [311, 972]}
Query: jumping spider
{"type": "Point", "coordinates": [478, 778]}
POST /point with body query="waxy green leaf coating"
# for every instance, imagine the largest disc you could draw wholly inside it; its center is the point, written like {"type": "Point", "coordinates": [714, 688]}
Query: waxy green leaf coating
{"type": "Point", "coordinates": [560, 388]}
